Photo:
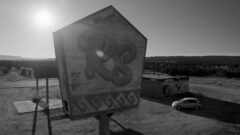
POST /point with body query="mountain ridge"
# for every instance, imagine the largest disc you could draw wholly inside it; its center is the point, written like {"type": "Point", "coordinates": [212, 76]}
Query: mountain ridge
{"type": "Point", "coordinates": [10, 57]}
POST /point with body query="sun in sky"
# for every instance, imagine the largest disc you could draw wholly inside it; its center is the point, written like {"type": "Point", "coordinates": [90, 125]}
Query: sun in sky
{"type": "Point", "coordinates": [172, 27]}
{"type": "Point", "coordinates": [43, 18]}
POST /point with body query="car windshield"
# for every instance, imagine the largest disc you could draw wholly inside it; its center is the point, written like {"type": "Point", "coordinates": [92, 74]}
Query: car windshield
{"type": "Point", "coordinates": [192, 101]}
{"type": "Point", "coordinates": [188, 100]}
{"type": "Point", "coordinates": [181, 100]}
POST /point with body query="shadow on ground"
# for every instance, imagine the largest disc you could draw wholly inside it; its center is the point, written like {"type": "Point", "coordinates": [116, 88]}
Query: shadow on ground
{"type": "Point", "coordinates": [212, 108]}
{"type": "Point", "coordinates": [126, 132]}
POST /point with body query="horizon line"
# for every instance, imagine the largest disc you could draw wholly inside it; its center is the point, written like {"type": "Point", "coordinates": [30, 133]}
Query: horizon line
{"type": "Point", "coordinates": [42, 58]}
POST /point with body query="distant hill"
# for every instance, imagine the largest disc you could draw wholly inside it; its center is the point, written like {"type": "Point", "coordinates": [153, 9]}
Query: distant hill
{"type": "Point", "coordinates": [220, 66]}
{"type": "Point", "coordinates": [214, 60]}
{"type": "Point", "coordinates": [8, 57]}
{"type": "Point", "coordinates": [19, 58]}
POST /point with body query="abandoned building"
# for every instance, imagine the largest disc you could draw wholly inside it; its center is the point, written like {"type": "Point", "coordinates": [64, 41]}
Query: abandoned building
{"type": "Point", "coordinates": [162, 85]}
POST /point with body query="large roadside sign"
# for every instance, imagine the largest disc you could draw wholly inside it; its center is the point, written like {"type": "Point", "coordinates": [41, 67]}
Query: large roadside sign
{"type": "Point", "coordinates": [100, 63]}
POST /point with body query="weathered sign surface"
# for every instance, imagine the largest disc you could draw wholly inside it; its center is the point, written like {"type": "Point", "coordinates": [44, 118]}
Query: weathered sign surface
{"type": "Point", "coordinates": [100, 62]}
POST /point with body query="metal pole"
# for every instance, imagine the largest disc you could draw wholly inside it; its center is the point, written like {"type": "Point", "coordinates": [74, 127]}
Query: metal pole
{"type": "Point", "coordinates": [47, 92]}
{"type": "Point", "coordinates": [104, 125]}
{"type": "Point", "coordinates": [36, 108]}
{"type": "Point", "coordinates": [47, 109]}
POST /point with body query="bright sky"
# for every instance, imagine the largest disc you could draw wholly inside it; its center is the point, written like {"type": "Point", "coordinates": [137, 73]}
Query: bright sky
{"type": "Point", "coordinates": [173, 27]}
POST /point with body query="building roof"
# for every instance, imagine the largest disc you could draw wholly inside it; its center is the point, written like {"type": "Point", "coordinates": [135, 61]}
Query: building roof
{"type": "Point", "coordinates": [161, 76]}
{"type": "Point", "coordinates": [157, 76]}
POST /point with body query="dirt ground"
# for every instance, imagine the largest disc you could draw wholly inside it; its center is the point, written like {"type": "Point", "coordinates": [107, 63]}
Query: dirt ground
{"type": "Point", "coordinates": [220, 116]}
{"type": "Point", "coordinates": [214, 81]}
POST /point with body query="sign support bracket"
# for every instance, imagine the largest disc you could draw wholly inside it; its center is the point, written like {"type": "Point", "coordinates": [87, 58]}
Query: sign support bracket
{"type": "Point", "coordinates": [36, 100]}
{"type": "Point", "coordinates": [104, 124]}
{"type": "Point", "coordinates": [104, 119]}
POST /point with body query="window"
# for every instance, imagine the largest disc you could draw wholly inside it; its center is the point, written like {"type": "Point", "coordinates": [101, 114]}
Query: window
{"type": "Point", "coordinates": [192, 101]}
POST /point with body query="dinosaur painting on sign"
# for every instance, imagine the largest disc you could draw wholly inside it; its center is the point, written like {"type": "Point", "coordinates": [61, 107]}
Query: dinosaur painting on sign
{"type": "Point", "coordinates": [100, 63]}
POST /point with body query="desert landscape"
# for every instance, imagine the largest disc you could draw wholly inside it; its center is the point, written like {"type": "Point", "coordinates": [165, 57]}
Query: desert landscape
{"type": "Point", "coordinates": [219, 116]}
{"type": "Point", "coordinates": [115, 67]}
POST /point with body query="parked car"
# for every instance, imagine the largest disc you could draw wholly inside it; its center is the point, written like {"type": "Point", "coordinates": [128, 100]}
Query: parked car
{"type": "Point", "coordinates": [187, 103]}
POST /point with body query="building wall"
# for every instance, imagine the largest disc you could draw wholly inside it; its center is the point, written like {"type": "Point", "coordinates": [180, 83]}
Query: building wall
{"type": "Point", "coordinates": [174, 86]}
{"type": "Point", "coordinates": [28, 72]}
{"type": "Point", "coordinates": [164, 87]}
{"type": "Point", "coordinates": [151, 88]}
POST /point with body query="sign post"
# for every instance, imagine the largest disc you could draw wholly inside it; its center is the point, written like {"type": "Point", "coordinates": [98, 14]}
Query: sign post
{"type": "Point", "coordinates": [104, 123]}
{"type": "Point", "coordinates": [100, 62]}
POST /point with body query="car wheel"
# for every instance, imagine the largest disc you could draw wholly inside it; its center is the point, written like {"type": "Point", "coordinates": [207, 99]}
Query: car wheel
{"type": "Point", "coordinates": [197, 107]}
{"type": "Point", "coordinates": [178, 107]}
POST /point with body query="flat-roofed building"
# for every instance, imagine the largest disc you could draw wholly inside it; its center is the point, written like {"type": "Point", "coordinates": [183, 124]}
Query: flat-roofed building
{"type": "Point", "coordinates": [160, 85]}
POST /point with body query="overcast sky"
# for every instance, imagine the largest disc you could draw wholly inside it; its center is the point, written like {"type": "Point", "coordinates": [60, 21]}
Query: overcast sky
{"type": "Point", "coordinates": [173, 27]}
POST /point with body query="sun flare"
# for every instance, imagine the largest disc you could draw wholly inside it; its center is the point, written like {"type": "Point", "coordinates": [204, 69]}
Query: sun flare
{"type": "Point", "coordinates": [43, 18]}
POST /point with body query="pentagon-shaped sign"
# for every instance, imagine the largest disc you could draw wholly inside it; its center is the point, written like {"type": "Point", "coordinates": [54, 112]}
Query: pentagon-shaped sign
{"type": "Point", "coordinates": [100, 62]}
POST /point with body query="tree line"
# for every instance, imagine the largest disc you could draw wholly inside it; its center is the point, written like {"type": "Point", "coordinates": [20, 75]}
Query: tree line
{"type": "Point", "coordinates": [220, 66]}
{"type": "Point", "coordinates": [41, 68]}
